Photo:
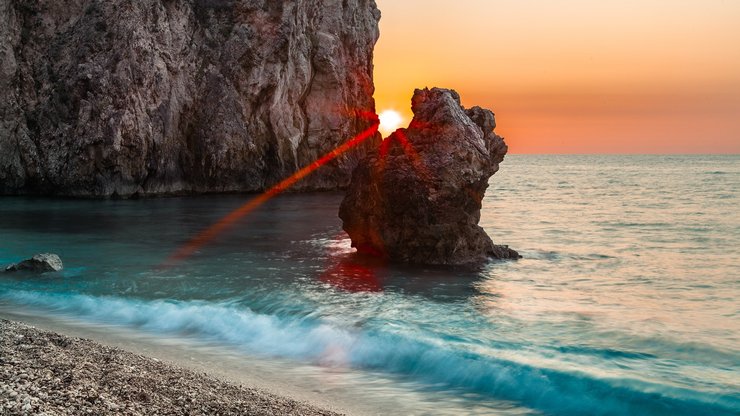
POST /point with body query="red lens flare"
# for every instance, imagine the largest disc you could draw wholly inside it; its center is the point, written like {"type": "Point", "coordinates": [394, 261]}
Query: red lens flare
{"type": "Point", "coordinates": [374, 244]}
{"type": "Point", "coordinates": [214, 230]}
{"type": "Point", "coordinates": [416, 162]}
{"type": "Point", "coordinates": [352, 276]}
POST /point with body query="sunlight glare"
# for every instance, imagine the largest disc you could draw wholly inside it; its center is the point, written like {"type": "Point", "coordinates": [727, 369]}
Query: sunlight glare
{"type": "Point", "coordinates": [390, 120]}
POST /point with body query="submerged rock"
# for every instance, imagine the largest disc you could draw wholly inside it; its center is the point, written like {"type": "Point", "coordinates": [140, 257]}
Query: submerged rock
{"type": "Point", "coordinates": [143, 97]}
{"type": "Point", "coordinates": [40, 263]}
{"type": "Point", "coordinates": [417, 197]}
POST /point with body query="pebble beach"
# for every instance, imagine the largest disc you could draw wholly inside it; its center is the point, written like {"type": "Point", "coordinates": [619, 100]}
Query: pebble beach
{"type": "Point", "coordinates": [45, 373]}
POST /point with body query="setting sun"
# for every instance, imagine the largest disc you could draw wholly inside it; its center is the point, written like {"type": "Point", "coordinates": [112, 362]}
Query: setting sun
{"type": "Point", "coordinates": [390, 121]}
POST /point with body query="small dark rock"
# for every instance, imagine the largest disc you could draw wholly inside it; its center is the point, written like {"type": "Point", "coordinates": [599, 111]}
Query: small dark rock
{"type": "Point", "coordinates": [39, 263]}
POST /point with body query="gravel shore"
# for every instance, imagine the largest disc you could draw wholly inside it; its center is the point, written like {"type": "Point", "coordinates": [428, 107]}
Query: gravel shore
{"type": "Point", "coordinates": [44, 373]}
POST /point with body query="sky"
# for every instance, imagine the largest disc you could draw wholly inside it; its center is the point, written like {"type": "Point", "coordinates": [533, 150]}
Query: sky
{"type": "Point", "coordinates": [574, 76]}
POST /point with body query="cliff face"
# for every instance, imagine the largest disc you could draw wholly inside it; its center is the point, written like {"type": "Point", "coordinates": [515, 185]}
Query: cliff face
{"type": "Point", "coordinates": [417, 197]}
{"type": "Point", "coordinates": [146, 97]}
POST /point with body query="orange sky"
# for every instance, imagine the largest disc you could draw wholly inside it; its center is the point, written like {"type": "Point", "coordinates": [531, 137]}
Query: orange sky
{"type": "Point", "coordinates": [574, 76]}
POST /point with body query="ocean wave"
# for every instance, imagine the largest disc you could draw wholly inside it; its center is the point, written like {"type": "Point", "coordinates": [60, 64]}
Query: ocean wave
{"type": "Point", "coordinates": [434, 362]}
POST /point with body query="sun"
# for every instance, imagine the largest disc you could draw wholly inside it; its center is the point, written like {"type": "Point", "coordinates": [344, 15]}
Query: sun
{"type": "Point", "coordinates": [390, 121]}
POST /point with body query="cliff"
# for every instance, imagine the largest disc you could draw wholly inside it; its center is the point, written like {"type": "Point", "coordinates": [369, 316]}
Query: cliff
{"type": "Point", "coordinates": [417, 197]}
{"type": "Point", "coordinates": [146, 97]}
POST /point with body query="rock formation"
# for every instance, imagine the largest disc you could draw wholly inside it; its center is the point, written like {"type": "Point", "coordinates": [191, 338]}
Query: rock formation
{"type": "Point", "coordinates": [143, 97]}
{"type": "Point", "coordinates": [40, 263]}
{"type": "Point", "coordinates": [417, 197]}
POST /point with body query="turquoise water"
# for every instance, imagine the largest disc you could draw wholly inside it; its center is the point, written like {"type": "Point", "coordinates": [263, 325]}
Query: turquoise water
{"type": "Point", "coordinates": [626, 300]}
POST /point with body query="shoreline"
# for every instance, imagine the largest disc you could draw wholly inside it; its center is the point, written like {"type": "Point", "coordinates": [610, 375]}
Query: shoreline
{"type": "Point", "coordinates": [45, 372]}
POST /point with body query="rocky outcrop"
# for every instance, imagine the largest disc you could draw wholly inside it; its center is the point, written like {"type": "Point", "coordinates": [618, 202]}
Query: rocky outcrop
{"type": "Point", "coordinates": [40, 263]}
{"type": "Point", "coordinates": [417, 197]}
{"type": "Point", "coordinates": [143, 97]}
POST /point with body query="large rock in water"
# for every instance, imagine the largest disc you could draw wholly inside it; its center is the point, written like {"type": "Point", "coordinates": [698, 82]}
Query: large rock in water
{"type": "Point", "coordinates": [417, 197]}
{"type": "Point", "coordinates": [106, 98]}
{"type": "Point", "coordinates": [40, 263]}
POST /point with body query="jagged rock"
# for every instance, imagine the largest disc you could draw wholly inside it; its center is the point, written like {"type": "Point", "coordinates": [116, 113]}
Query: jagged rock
{"type": "Point", "coordinates": [417, 197]}
{"type": "Point", "coordinates": [117, 98]}
{"type": "Point", "coordinates": [40, 263]}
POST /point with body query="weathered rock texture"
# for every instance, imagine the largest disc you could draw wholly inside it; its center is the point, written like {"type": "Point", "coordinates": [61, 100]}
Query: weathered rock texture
{"type": "Point", "coordinates": [126, 97]}
{"type": "Point", "coordinates": [40, 263]}
{"type": "Point", "coordinates": [417, 198]}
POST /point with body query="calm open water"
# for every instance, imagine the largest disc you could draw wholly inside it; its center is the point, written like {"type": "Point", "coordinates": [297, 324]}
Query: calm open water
{"type": "Point", "coordinates": [626, 301]}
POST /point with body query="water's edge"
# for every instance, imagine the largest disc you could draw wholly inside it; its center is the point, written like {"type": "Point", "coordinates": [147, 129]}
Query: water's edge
{"type": "Point", "coordinates": [248, 374]}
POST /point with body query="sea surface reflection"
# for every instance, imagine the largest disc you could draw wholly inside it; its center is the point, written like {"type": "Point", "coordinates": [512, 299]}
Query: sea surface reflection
{"type": "Point", "coordinates": [625, 301]}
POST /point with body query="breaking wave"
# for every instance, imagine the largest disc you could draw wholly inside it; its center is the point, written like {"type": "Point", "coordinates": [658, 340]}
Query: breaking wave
{"type": "Point", "coordinates": [432, 362]}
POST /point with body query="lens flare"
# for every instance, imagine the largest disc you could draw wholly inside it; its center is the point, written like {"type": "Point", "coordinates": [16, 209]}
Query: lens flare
{"type": "Point", "coordinates": [214, 230]}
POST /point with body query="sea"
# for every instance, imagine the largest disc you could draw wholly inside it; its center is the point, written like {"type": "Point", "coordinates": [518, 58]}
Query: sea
{"type": "Point", "coordinates": [626, 300]}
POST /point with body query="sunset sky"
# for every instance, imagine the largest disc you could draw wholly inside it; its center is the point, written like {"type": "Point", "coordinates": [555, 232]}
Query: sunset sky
{"type": "Point", "coordinates": [574, 76]}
